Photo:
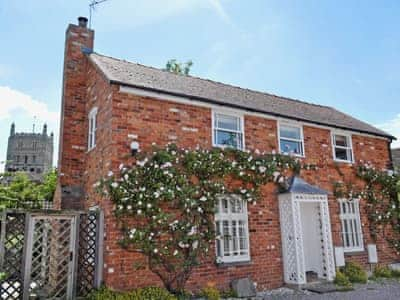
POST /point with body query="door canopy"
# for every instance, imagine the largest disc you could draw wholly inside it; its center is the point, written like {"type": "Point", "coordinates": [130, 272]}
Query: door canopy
{"type": "Point", "coordinates": [299, 186]}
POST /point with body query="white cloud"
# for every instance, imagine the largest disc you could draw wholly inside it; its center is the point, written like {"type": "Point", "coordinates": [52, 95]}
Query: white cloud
{"type": "Point", "coordinates": [12, 101]}
{"type": "Point", "coordinates": [220, 10]}
{"type": "Point", "coordinates": [393, 127]}
{"type": "Point", "coordinates": [130, 14]}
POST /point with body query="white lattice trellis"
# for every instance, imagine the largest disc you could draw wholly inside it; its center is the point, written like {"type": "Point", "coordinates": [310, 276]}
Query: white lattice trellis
{"type": "Point", "coordinates": [292, 238]}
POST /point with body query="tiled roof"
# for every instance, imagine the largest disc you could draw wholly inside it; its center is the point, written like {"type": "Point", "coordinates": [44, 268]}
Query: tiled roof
{"type": "Point", "coordinates": [149, 78]}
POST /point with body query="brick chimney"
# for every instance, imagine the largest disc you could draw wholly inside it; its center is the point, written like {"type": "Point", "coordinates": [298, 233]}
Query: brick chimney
{"type": "Point", "coordinates": [78, 41]}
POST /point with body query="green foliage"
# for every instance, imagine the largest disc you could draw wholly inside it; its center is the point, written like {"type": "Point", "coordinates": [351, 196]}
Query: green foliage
{"type": "Point", "coordinates": [381, 192]}
{"type": "Point", "coordinates": [396, 273]}
{"type": "Point", "coordinates": [177, 67]}
{"type": "Point", "coordinates": [382, 272]}
{"type": "Point", "coordinates": [2, 275]}
{"type": "Point", "coordinates": [342, 280]}
{"type": "Point", "coordinates": [229, 294]}
{"type": "Point", "coordinates": [210, 293]}
{"type": "Point", "coordinates": [18, 191]}
{"type": "Point", "coordinates": [166, 202]}
{"type": "Point", "coordinates": [148, 293]}
{"type": "Point", "coordinates": [355, 273]}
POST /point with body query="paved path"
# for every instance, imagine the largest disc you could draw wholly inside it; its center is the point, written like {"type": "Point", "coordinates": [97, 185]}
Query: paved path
{"type": "Point", "coordinates": [383, 290]}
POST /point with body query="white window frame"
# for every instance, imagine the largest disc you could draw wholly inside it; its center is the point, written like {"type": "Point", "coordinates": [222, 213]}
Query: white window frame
{"type": "Point", "coordinates": [350, 147]}
{"type": "Point", "coordinates": [92, 129]}
{"type": "Point", "coordinates": [239, 116]}
{"type": "Point", "coordinates": [301, 140]}
{"type": "Point", "coordinates": [221, 216]}
{"type": "Point", "coordinates": [354, 219]}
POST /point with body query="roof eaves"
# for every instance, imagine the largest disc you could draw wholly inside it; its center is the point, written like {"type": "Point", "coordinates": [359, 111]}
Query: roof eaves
{"type": "Point", "coordinates": [206, 100]}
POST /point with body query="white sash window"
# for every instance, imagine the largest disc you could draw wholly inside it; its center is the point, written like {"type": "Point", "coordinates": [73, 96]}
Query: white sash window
{"type": "Point", "coordinates": [228, 130]}
{"type": "Point", "coordinates": [351, 225]}
{"type": "Point", "coordinates": [92, 128]}
{"type": "Point", "coordinates": [342, 148]}
{"type": "Point", "coordinates": [232, 244]}
{"type": "Point", "coordinates": [291, 140]}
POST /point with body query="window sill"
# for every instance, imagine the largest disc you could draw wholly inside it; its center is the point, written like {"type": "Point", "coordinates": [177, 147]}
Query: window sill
{"type": "Point", "coordinates": [91, 149]}
{"type": "Point", "coordinates": [223, 147]}
{"type": "Point", "coordinates": [234, 264]}
{"type": "Point", "coordinates": [343, 161]}
{"type": "Point", "coordinates": [354, 252]}
{"type": "Point", "coordinates": [293, 155]}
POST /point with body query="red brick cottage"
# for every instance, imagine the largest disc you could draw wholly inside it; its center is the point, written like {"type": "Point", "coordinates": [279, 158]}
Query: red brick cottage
{"type": "Point", "coordinates": [108, 103]}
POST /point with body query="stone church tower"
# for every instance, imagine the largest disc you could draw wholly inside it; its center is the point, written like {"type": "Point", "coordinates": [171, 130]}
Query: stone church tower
{"type": "Point", "coordinates": [30, 152]}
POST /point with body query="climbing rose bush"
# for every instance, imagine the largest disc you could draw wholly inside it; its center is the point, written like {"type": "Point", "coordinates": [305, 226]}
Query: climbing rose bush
{"type": "Point", "coordinates": [382, 201]}
{"type": "Point", "coordinates": [166, 202]}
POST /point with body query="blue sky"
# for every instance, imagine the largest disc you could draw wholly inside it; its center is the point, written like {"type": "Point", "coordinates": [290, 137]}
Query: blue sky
{"type": "Point", "coordinates": [344, 54]}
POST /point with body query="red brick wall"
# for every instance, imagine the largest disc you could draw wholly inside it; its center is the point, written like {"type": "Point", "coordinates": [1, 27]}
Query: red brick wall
{"type": "Point", "coordinates": [163, 121]}
{"type": "Point", "coordinates": [73, 116]}
{"type": "Point", "coordinates": [124, 117]}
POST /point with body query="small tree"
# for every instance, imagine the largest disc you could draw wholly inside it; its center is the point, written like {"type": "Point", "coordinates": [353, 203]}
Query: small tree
{"type": "Point", "coordinates": [178, 68]}
{"type": "Point", "coordinates": [18, 191]}
{"type": "Point", "coordinates": [166, 202]}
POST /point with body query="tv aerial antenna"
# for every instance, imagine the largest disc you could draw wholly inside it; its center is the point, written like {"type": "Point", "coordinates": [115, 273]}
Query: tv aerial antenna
{"type": "Point", "coordinates": [92, 8]}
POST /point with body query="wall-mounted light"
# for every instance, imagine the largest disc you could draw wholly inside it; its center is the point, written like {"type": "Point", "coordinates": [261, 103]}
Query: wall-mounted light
{"type": "Point", "coordinates": [134, 148]}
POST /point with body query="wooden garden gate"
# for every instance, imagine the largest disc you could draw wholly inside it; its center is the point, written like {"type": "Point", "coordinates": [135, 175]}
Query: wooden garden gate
{"type": "Point", "coordinates": [50, 255]}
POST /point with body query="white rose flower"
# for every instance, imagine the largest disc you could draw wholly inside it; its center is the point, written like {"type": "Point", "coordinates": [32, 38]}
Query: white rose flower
{"type": "Point", "coordinates": [97, 184]}
{"type": "Point", "coordinates": [195, 244]}
{"type": "Point", "coordinates": [114, 185]}
{"type": "Point", "coordinates": [203, 198]}
{"type": "Point", "coordinates": [110, 173]}
{"type": "Point", "coordinates": [175, 252]}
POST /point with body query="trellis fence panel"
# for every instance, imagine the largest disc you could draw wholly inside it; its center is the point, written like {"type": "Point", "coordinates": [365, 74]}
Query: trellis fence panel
{"type": "Point", "coordinates": [50, 255]}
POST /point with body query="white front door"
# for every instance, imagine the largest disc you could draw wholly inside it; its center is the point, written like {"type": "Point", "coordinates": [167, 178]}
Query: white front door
{"type": "Point", "coordinates": [312, 239]}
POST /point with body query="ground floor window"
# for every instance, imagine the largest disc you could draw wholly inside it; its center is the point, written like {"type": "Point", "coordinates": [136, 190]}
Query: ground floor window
{"type": "Point", "coordinates": [351, 225]}
{"type": "Point", "coordinates": [232, 244]}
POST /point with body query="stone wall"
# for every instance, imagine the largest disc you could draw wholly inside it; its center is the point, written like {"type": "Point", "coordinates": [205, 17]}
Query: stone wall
{"type": "Point", "coordinates": [30, 152]}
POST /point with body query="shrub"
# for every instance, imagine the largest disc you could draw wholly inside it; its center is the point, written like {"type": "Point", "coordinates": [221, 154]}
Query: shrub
{"type": "Point", "coordinates": [148, 293]}
{"type": "Point", "coordinates": [229, 294]}
{"type": "Point", "coordinates": [382, 272]}
{"type": "Point", "coordinates": [211, 293]}
{"type": "Point", "coordinates": [342, 280]}
{"type": "Point", "coordinates": [355, 273]}
{"type": "Point", "coordinates": [396, 273]}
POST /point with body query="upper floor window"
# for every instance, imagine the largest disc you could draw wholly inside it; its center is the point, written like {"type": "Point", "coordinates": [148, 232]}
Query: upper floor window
{"type": "Point", "coordinates": [26, 159]}
{"type": "Point", "coordinates": [342, 147]}
{"type": "Point", "coordinates": [351, 225]}
{"type": "Point", "coordinates": [34, 159]}
{"type": "Point", "coordinates": [228, 130]}
{"type": "Point", "coordinates": [92, 128]}
{"type": "Point", "coordinates": [231, 223]}
{"type": "Point", "coordinates": [291, 139]}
